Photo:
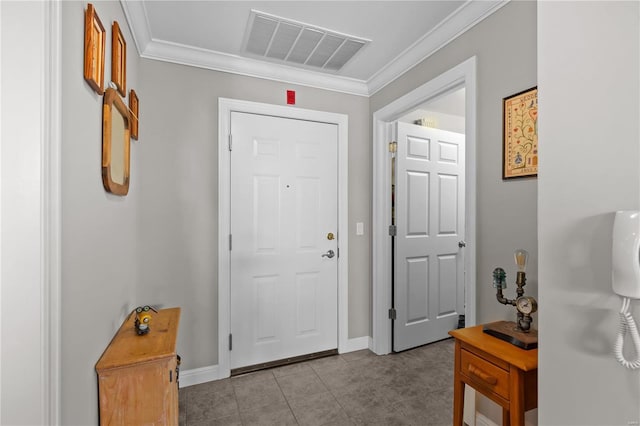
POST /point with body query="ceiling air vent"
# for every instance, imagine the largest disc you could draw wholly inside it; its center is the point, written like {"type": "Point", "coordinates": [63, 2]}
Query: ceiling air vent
{"type": "Point", "coordinates": [299, 44]}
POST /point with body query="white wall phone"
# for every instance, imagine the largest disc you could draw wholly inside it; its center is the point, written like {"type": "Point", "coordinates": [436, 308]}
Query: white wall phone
{"type": "Point", "coordinates": [625, 278]}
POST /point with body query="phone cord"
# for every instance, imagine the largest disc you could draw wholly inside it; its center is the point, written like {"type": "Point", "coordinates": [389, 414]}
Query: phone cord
{"type": "Point", "coordinates": [627, 324]}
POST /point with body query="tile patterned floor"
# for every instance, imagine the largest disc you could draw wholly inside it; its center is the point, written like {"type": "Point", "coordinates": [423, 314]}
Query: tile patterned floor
{"type": "Point", "coordinates": [358, 388]}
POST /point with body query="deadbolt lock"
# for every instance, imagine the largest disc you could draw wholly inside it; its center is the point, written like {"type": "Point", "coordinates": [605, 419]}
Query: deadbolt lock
{"type": "Point", "coordinates": [330, 236]}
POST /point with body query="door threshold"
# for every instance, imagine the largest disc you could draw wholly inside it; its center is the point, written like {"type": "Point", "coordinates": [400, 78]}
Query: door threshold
{"type": "Point", "coordinates": [285, 361]}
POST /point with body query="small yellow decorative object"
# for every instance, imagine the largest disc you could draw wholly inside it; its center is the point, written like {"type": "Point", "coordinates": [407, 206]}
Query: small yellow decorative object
{"type": "Point", "coordinates": [143, 319]}
{"type": "Point", "coordinates": [330, 236]}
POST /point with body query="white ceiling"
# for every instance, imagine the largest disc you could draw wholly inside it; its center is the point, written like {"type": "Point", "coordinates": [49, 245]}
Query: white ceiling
{"type": "Point", "coordinates": [211, 34]}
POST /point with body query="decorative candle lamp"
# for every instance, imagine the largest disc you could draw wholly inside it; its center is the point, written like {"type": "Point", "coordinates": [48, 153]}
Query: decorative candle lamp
{"type": "Point", "coordinates": [519, 333]}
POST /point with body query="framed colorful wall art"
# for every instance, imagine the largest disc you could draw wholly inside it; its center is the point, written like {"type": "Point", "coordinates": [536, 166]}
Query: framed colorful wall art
{"type": "Point", "coordinates": [520, 134]}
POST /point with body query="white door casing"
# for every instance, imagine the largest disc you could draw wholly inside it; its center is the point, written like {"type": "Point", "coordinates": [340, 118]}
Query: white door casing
{"type": "Point", "coordinates": [225, 107]}
{"type": "Point", "coordinates": [463, 74]}
{"type": "Point", "coordinates": [283, 206]}
{"type": "Point", "coordinates": [429, 264]}
{"type": "Point", "coordinates": [31, 261]}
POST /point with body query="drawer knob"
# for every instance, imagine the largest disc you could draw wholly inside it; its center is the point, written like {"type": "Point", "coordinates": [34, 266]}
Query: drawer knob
{"type": "Point", "coordinates": [485, 377]}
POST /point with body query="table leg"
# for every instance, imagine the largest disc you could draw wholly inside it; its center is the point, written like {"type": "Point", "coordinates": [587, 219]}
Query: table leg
{"type": "Point", "coordinates": [516, 401]}
{"type": "Point", "coordinates": [506, 417]}
{"type": "Point", "coordinates": [458, 389]}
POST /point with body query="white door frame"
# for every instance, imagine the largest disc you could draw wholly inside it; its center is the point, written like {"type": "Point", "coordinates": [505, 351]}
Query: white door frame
{"type": "Point", "coordinates": [41, 386]}
{"type": "Point", "coordinates": [463, 74]}
{"type": "Point", "coordinates": [225, 107]}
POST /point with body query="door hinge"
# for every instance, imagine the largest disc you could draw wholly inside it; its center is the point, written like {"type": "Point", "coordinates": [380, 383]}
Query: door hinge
{"type": "Point", "coordinates": [230, 142]}
{"type": "Point", "coordinates": [230, 242]}
{"type": "Point", "coordinates": [393, 230]}
{"type": "Point", "coordinates": [393, 147]}
{"type": "Point", "coordinates": [392, 314]}
{"type": "Point", "coordinates": [230, 341]}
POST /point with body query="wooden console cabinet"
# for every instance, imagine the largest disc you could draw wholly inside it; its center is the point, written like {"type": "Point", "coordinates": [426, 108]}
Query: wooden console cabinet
{"type": "Point", "coordinates": [138, 375]}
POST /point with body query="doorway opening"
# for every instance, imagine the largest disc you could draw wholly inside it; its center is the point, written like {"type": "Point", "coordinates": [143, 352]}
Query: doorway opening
{"type": "Point", "coordinates": [463, 76]}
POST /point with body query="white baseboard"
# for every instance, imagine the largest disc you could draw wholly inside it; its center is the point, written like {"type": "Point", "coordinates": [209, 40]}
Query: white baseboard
{"type": "Point", "coordinates": [356, 344]}
{"type": "Point", "coordinates": [483, 420]}
{"type": "Point", "coordinates": [531, 418]}
{"type": "Point", "coordinates": [199, 375]}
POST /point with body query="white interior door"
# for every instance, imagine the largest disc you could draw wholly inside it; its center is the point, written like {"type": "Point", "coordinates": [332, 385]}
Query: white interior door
{"type": "Point", "coordinates": [428, 287]}
{"type": "Point", "coordinates": [283, 287]}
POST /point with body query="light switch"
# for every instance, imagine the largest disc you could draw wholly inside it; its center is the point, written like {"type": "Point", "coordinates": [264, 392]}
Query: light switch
{"type": "Point", "coordinates": [359, 228]}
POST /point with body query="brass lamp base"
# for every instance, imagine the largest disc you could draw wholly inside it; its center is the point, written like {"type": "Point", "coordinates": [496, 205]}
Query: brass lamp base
{"type": "Point", "coordinates": [507, 331]}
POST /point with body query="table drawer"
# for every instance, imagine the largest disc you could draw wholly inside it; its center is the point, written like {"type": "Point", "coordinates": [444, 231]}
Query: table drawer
{"type": "Point", "coordinates": [486, 374]}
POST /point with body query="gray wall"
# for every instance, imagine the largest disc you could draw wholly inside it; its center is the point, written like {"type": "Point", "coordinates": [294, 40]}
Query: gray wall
{"type": "Point", "coordinates": [506, 210]}
{"type": "Point", "coordinates": [588, 68]}
{"type": "Point", "coordinates": [100, 246]}
{"type": "Point", "coordinates": [178, 177]}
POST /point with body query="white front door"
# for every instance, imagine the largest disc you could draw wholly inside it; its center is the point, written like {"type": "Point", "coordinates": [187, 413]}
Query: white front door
{"type": "Point", "coordinates": [283, 291]}
{"type": "Point", "coordinates": [428, 289]}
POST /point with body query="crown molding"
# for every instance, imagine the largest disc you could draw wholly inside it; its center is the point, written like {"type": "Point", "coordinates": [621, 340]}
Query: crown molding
{"type": "Point", "coordinates": [203, 58]}
{"type": "Point", "coordinates": [461, 20]}
{"type": "Point", "coordinates": [136, 15]}
{"type": "Point", "coordinates": [456, 24]}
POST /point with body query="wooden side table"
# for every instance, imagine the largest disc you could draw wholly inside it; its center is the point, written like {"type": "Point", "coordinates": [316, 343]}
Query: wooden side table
{"type": "Point", "coordinates": [499, 370]}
